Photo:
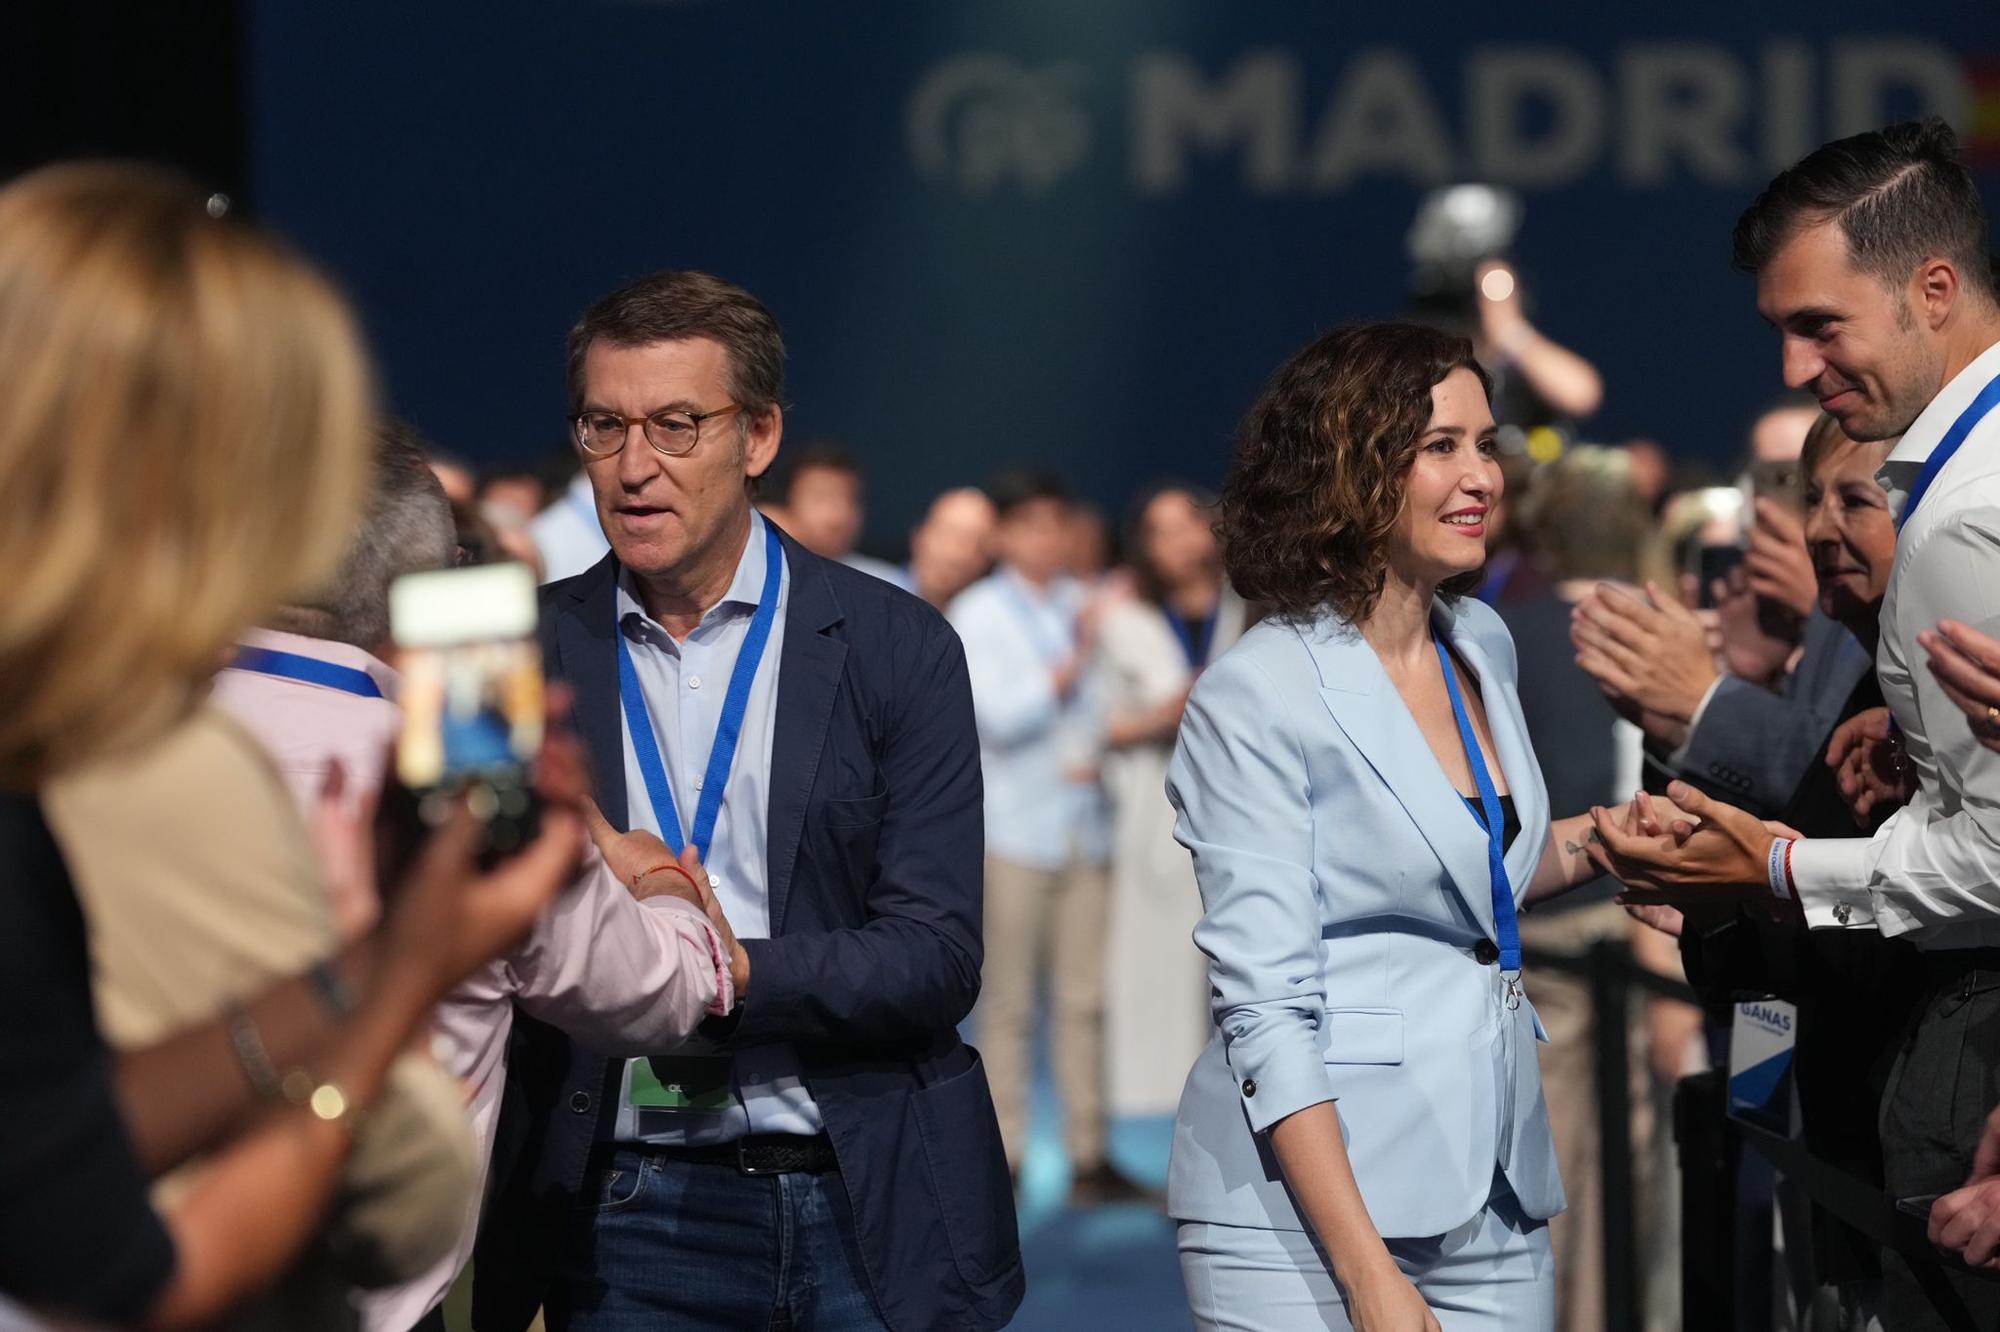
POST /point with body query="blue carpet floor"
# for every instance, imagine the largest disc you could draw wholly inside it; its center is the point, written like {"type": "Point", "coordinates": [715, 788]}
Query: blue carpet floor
{"type": "Point", "coordinates": [1099, 1269]}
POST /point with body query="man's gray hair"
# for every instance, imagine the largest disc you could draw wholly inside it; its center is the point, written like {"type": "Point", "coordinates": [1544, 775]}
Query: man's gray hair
{"type": "Point", "coordinates": [408, 528]}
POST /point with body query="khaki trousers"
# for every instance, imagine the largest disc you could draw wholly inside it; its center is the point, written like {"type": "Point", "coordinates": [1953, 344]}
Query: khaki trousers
{"type": "Point", "coordinates": [1046, 922]}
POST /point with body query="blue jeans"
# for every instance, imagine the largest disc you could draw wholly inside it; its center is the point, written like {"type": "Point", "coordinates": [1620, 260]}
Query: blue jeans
{"type": "Point", "coordinates": [661, 1243]}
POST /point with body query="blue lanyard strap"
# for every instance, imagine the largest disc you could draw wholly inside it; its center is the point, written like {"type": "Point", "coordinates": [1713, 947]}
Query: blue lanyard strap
{"type": "Point", "coordinates": [311, 670]}
{"type": "Point", "coordinates": [1975, 412]}
{"type": "Point", "coordinates": [1505, 923]}
{"type": "Point", "coordinates": [1185, 633]}
{"type": "Point", "coordinates": [729, 730]}
{"type": "Point", "coordinates": [1036, 626]}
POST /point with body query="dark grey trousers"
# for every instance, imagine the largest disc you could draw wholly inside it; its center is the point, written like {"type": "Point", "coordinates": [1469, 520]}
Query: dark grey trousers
{"type": "Point", "coordinates": [1944, 1083]}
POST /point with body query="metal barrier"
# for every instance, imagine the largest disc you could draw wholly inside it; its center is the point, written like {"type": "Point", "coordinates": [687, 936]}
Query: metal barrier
{"type": "Point", "coordinates": [1607, 968]}
{"type": "Point", "coordinates": [1707, 1141]}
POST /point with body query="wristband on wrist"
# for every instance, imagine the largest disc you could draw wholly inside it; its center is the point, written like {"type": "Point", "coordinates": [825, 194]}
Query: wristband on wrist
{"type": "Point", "coordinates": [671, 867]}
{"type": "Point", "coordinates": [1778, 868]}
{"type": "Point", "coordinates": [251, 1056]}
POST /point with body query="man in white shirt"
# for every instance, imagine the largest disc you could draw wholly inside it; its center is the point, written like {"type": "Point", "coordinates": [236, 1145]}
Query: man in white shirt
{"type": "Point", "coordinates": [1872, 263]}
{"type": "Point", "coordinates": [1026, 630]}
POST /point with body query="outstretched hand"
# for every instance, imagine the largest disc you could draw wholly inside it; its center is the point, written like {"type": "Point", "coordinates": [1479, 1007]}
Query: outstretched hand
{"type": "Point", "coordinates": [1712, 853]}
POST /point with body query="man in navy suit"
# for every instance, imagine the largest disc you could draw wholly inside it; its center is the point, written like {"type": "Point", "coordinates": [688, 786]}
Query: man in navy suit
{"type": "Point", "coordinates": [800, 737]}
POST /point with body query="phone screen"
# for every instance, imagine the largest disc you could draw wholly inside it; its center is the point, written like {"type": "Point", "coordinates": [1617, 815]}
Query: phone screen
{"type": "Point", "coordinates": [471, 694]}
{"type": "Point", "coordinates": [1713, 563]}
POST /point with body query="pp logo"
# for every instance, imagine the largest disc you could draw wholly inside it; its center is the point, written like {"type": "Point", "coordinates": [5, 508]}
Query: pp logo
{"type": "Point", "coordinates": [982, 121]}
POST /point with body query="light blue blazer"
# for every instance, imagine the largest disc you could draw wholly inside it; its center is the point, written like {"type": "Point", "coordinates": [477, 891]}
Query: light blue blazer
{"type": "Point", "coordinates": [1344, 884]}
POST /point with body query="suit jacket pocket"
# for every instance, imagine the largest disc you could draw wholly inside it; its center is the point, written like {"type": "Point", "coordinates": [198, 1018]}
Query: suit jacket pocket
{"type": "Point", "coordinates": [1364, 1035]}
{"type": "Point", "coordinates": [968, 1170]}
{"type": "Point", "coordinates": [858, 812]}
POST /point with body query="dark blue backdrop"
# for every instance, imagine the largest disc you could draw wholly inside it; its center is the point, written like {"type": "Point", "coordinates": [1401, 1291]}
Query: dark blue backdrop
{"type": "Point", "coordinates": [1079, 233]}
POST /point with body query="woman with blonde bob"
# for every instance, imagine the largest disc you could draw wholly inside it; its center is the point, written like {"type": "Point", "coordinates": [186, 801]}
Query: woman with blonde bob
{"type": "Point", "coordinates": [184, 434]}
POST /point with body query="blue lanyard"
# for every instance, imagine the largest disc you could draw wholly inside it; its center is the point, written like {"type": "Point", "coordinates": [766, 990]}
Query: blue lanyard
{"type": "Point", "coordinates": [311, 670]}
{"type": "Point", "coordinates": [735, 704]}
{"type": "Point", "coordinates": [1185, 633]}
{"type": "Point", "coordinates": [1033, 621]}
{"type": "Point", "coordinates": [1504, 922]}
{"type": "Point", "coordinates": [1975, 412]}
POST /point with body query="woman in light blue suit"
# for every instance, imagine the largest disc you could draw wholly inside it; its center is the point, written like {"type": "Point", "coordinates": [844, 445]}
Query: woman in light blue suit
{"type": "Point", "coordinates": [1363, 1143]}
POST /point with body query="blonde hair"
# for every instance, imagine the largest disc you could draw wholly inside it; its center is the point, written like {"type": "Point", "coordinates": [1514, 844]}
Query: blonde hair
{"type": "Point", "coordinates": [183, 444]}
{"type": "Point", "coordinates": [1680, 528]}
{"type": "Point", "coordinates": [1584, 517]}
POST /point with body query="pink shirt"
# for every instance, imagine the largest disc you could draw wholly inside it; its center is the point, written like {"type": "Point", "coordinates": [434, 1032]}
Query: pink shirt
{"type": "Point", "coordinates": [624, 977]}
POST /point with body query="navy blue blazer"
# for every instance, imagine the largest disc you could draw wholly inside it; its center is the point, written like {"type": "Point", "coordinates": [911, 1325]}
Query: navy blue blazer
{"type": "Point", "coordinates": [875, 860]}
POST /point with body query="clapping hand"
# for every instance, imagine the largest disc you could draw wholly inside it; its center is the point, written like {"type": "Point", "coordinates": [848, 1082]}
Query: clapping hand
{"type": "Point", "coordinates": [1649, 654]}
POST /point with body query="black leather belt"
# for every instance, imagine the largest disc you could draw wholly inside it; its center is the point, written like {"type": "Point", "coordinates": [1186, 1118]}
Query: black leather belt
{"type": "Point", "coordinates": [757, 1154]}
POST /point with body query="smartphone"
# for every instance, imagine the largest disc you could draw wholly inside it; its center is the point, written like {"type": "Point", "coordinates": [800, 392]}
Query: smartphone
{"type": "Point", "coordinates": [1779, 481]}
{"type": "Point", "coordinates": [471, 696]}
{"type": "Point", "coordinates": [1712, 564]}
{"type": "Point", "coordinates": [1919, 1206]}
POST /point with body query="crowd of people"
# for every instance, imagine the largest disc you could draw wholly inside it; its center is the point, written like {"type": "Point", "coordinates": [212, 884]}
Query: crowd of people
{"type": "Point", "coordinates": [1254, 802]}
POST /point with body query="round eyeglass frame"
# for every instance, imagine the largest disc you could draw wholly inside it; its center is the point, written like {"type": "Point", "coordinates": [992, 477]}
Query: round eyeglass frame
{"type": "Point", "coordinates": [578, 429]}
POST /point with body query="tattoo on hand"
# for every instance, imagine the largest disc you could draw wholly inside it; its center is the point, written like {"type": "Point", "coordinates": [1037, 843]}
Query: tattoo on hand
{"type": "Point", "coordinates": [1576, 848]}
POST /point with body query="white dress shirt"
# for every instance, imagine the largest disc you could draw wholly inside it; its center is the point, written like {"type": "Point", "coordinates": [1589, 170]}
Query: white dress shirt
{"type": "Point", "coordinates": [684, 683]}
{"type": "Point", "coordinates": [1038, 752]}
{"type": "Point", "coordinates": [1932, 871]}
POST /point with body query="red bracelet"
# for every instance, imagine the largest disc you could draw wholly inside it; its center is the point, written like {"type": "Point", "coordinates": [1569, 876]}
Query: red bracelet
{"type": "Point", "coordinates": [1791, 882]}
{"type": "Point", "coordinates": [670, 865]}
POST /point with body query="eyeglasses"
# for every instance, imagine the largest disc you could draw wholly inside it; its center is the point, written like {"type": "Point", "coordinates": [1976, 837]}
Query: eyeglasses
{"type": "Point", "coordinates": [673, 432]}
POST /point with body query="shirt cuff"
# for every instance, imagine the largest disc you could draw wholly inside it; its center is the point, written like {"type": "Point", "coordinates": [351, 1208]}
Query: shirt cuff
{"type": "Point", "coordinates": [1830, 875]}
{"type": "Point", "coordinates": [1282, 1086]}
{"type": "Point", "coordinates": [1678, 759]}
{"type": "Point", "coordinates": [718, 956]}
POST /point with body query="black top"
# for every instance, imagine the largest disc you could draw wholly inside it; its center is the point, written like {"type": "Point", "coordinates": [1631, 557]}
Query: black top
{"type": "Point", "coordinates": [1570, 724]}
{"type": "Point", "coordinates": [1510, 822]}
{"type": "Point", "coordinates": [78, 1234]}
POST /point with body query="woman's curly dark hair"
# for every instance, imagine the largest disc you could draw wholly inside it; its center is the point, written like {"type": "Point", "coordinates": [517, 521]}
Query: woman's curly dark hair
{"type": "Point", "coordinates": [1321, 461]}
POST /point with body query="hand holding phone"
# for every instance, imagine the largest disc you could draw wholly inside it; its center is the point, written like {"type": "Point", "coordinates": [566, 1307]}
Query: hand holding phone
{"type": "Point", "coordinates": [472, 697]}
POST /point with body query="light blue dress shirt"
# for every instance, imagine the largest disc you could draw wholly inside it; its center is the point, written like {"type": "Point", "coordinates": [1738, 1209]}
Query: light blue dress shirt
{"type": "Point", "coordinates": [1031, 742]}
{"type": "Point", "coordinates": [684, 683]}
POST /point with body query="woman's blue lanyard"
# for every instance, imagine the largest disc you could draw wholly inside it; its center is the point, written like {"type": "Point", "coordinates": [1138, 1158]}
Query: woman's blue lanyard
{"type": "Point", "coordinates": [1975, 412]}
{"type": "Point", "coordinates": [1505, 923]}
{"type": "Point", "coordinates": [1185, 633]}
{"type": "Point", "coordinates": [729, 730]}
